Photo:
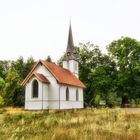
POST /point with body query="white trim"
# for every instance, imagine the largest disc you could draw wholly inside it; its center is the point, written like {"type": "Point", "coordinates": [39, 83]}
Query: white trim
{"type": "Point", "coordinates": [34, 78]}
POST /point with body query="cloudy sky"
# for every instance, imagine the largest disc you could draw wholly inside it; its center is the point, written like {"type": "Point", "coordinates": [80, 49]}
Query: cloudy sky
{"type": "Point", "coordinates": [39, 28]}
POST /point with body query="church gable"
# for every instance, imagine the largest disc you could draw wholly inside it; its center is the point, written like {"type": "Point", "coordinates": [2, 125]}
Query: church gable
{"type": "Point", "coordinates": [40, 77]}
{"type": "Point", "coordinates": [41, 73]}
{"type": "Point", "coordinates": [63, 76]}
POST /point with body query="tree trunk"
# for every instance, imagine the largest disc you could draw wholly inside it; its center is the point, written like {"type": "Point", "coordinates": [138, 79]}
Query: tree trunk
{"type": "Point", "coordinates": [124, 101]}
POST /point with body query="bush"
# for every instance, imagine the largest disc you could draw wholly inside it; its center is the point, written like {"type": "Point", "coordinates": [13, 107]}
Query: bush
{"type": "Point", "coordinates": [1, 102]}
{"type": "Point", "coordinates": [2, 83]}
{"type": "Point", "coordinates": [138, 101]}
{"type": "Point", "coordinates": [13, 92]}
{"type": "Point", "coordinates": [132, 102]}
{"type": "Point", "coordinates": [97, 100]}
{"type": "Point", "coordinates": [112, 99]}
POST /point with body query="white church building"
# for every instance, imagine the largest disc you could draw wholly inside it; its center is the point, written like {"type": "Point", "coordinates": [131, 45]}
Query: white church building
{"type": "Point", "coordinates": [50, 86]}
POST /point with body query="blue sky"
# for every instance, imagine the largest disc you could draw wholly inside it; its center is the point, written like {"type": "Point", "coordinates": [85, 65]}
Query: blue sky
{"type": "Point", "coordinates": [39, 28]}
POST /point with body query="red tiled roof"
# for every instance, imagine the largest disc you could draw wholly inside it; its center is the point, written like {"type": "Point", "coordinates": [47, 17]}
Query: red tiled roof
{"type": "Point", "coordinates": [63, 76]}
{"type": "Point", "coordinates": [39, 76]}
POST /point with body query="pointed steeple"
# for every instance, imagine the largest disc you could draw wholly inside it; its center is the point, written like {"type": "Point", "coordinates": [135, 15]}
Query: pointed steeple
{"type": "Point", "coordinates": [70, 51]}
{"type": "Point", "coordinates": [70, 59]}
{"type": "Point", "coordinates": [70, 44]}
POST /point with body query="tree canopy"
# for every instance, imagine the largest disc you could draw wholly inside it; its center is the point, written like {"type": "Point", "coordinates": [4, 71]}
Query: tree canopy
{"type": "Point", "coordinates": [126, 53]}
{"type": "Point", "coordinates": [10, 86]}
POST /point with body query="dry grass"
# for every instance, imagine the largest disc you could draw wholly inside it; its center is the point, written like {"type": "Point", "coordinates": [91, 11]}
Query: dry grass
{"type": "Point", "coordinates": [86, 124]}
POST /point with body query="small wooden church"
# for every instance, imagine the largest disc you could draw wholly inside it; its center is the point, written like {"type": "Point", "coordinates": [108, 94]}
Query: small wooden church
{"type": "Point", "coordinates": [50, 86]}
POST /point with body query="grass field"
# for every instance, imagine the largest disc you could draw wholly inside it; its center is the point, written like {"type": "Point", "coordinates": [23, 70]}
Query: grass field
{"type": "Point", "coordinates": [86, 124]}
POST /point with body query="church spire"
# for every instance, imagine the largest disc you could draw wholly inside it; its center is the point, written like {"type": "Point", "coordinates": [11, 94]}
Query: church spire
{"type": "Point", "coordinates": [70, 59]}
{"type": "Point", "coordinates": [70, 51]}
{"type": "Point", "coordinates": [70, 44]}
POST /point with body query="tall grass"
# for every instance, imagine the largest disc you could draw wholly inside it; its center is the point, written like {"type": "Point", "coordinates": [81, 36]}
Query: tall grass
{"type": "Point", "coordinates": [86, 124]}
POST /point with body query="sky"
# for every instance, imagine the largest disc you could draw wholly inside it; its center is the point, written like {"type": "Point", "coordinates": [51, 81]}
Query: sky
{"type": "Point", "coordinates": [39, 28]}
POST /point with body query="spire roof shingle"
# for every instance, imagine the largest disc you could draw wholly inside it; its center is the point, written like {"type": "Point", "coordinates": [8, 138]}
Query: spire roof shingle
{"type": "Point", "coordinates": [70, 51]}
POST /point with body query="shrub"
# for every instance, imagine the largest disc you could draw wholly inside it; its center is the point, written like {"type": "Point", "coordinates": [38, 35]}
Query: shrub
{"type": "Point", "coordinates": [138, 101]}
{"type": "Point", "coordinates": [1, 102]}
{"type": "Point", "coordinates": [97, 100]}
{"type": "Point", "coordinates": [112, 99]}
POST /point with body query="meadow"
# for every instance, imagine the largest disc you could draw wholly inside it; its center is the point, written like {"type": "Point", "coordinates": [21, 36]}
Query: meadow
{"type": "Point", "coordinates": [85, 124]}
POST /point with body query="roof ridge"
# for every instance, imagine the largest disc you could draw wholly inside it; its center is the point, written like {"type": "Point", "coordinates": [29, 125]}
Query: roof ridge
{"type": "Point", "coordinates": [57, 66]}
{"type": "Point", "coordinates": [63, 76]}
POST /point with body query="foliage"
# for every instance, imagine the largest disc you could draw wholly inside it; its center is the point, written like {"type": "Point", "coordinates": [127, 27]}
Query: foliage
{"type": "Point", "coordinates": [21, 67]}
{"type": "Point", "coordinates": [4, 66]}
{"type": "Point", "coordinates": [97, 100]}
{"type": "Point", "coordinates": [112, 76]}
{"type": "Point", "coordinates": [13, 91]}
{"type": "Point", "coordinates": [49, 59]}
{"type": "Point", "coordinates": [2, 83]}
{"type": "Point", "coordinates": [126, 54]}
{"type": "Point", "coordinates": [112, 99]}
{"type": "Point", "coordinates": [137, 101]}
{"type": "Point", "coordinates": [98, 72]}
{"type": "Point", "coordinates": [1, 101]}
{"type": "Point", "coordinates": [89, 55]}
{"type": "Point", "coordinates": [14, 72]}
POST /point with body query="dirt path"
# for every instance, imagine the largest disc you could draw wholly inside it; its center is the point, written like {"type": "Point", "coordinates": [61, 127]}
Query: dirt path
{"type": "Point", "coordinates": [133, 109]}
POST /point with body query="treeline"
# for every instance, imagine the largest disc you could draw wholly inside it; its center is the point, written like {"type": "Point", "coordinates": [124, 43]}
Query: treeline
{"type": "Point", "coordinates": [113, 77]}
{"type": "Point", "coordinates": [11, 75]}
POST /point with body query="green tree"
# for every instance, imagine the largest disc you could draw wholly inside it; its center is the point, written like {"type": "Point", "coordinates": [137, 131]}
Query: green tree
{"type": "Point", "coordinates": [4, 66]}
{"type": "Point", "coordinates": [14, 72]}
{"type": "Point", "coordinates": [98, 72]}
{"type": "Point", "coordinates": [89, 56]}
{"type": "Point", "coordinates": [19, 67]}
{"type": "Point", "coordinates": [49, 59]}
{"type": "Point", "coordinates": [103, 77]}
{"type": "Point", "coordinates": [13, 91]}
{"type": "Point", "coordinates": [28, 66]}
{"type": "Point", "coordinates": [126, 54]}
{"type": "Point", "coordinates": [1, 70]}
{"type": "Point", "coordinates": [2, 83]}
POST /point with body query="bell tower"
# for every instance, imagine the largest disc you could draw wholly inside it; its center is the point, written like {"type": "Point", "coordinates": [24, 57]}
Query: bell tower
{"type": "Point", "coordinates": [70, 60]}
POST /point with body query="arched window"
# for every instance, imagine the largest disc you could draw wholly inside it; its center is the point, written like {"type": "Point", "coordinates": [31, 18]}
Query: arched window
{"type": "Point", "coordinates": [77, 95]}
{"type": "Point", "coordinates": [67, 94]}
{"type": "Point", "coordinates": [35, 89]}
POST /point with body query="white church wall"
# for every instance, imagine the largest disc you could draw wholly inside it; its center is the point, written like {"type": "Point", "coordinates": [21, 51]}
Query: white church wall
{"type": "Point", "coordinates": [45, 91]}
{"type": "Point", "coordinates": [51, 94]}
{"type": "Point", "coordinates": [65, 65]}
{"type": "Point", "coordinates": [53, 88]}
{"type": "Point", "coordinates": [73, 67]}
{"type": "Point", "coordinates": [72, 103]}
{"type": "Point", "coordinates": [41, 102]}
{"type": "Point", "coordinates": [26, 95]}
{"type": "Point", "coordinates": [81, 94]}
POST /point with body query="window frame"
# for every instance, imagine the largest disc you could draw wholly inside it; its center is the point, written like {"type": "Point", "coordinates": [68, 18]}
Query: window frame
{"type": "Point", "coordinates": [35, 89]}
{"type": "Point", "coordinates": [67, 94]}
{"type": "Point", "coordinates": [77, 95]}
